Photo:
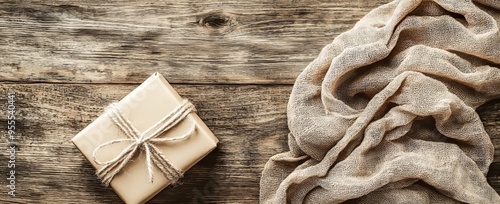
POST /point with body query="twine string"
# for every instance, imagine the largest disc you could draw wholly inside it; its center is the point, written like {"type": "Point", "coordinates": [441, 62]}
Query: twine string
{"type": "Point", "coordinates": [143, 142]}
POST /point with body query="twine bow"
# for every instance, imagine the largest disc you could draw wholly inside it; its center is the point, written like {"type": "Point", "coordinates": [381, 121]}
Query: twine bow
{"type": "Point", "coordinates": [143, 142]}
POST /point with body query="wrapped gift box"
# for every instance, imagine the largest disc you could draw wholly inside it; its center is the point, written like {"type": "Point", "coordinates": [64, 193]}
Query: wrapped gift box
{"type": "Point", "coordinates": [144, 107]}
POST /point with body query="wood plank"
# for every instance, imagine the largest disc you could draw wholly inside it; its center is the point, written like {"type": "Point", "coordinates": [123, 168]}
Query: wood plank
{"type": "Point", "coordinates": [490, 115]}
{"type": "Point", "coordinates": [250, 121]}
{"type": "Point", "coordinates": [235, 42]}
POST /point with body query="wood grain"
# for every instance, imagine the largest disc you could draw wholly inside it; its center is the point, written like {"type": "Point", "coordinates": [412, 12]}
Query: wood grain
{"type": "Point", "coordinates": [197, 41]}
{"type": "Point", "coordinates": [490, 115]}
{"type": "Point", "coordinates": [236, 60]}
{"type": "Point", "coordinates": [250, 121]}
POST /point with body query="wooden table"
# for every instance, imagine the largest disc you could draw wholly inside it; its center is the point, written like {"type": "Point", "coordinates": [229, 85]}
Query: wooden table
{"type": "Point", "coordinates": [236, 60]}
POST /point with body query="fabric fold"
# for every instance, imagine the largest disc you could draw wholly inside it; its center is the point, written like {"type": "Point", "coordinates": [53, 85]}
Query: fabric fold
{"type": "Point", "coordinates": [386, 112]}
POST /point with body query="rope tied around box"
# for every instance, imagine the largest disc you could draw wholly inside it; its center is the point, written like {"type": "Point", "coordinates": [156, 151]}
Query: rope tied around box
{"type": "Point", "coordinates": [144, 142]}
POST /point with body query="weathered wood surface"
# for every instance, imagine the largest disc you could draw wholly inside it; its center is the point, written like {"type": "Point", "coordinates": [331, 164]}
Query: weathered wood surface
{"type": "Point", "coordinates": [197, 41]}
{"type": "Point", "coordinates": [236, 60]}
{"type": "Point", "coordinates": [250, 122]}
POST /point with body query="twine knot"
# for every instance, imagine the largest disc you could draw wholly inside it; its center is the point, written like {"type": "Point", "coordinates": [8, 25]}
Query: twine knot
{"type": "Point", "coordinates": [145, 142]}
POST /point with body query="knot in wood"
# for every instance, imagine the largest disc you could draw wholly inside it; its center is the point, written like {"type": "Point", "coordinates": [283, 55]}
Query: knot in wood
{"type": "Point", "coordinates": [214, 20]}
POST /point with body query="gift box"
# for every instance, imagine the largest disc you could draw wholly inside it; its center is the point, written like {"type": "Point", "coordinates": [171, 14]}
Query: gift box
{"type": "Point", "coordinates": [146, 141]}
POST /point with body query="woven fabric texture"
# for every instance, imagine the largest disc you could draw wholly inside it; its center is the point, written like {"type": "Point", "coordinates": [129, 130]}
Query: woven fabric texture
{"type": "Point", "coordinates": [386, 112]}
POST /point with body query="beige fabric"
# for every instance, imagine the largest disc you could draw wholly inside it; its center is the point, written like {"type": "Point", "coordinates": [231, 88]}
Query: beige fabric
{"type": "Point", "coordinates": [386, 113]}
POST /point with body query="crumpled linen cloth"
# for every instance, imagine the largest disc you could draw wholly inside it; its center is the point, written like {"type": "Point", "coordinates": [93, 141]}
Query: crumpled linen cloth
{"type": "Point", "coordinates": [386, 112]}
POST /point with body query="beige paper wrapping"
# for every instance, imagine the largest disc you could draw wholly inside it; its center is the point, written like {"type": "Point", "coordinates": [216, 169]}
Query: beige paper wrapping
{"type": "Point", "coordinates": [144, 106]}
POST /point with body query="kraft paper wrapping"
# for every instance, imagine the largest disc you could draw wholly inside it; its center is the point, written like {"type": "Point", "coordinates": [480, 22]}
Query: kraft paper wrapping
{"type": "Point", "coordinates": [145, 106]}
